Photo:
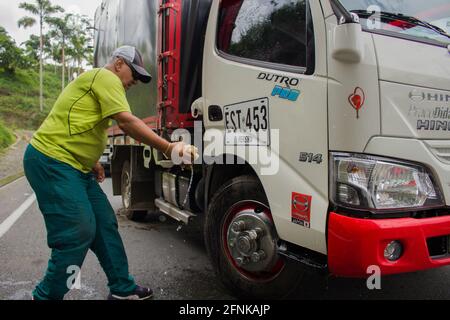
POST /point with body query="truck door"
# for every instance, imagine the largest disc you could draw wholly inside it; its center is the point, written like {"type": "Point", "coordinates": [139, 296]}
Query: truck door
{"type": "Point", "coordinates": [265, 72]}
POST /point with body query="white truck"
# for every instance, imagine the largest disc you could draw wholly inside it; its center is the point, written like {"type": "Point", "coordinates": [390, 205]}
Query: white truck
{"type": "Point", "coordinates": [324, 127]}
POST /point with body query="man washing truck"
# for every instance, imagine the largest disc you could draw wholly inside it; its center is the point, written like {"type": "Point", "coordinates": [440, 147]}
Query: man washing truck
{"type": "Point", "coordinates": [61, 164]}
{"type": "Point", "coordinates": [351, 96]}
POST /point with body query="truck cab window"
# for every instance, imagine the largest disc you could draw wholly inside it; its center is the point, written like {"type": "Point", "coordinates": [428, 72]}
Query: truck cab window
{"type": "Point", "coordinates": [274, 31]}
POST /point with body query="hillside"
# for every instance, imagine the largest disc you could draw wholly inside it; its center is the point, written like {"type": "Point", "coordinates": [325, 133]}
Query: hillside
{"type": "Point", "coordinates": [6, 137]}
{"type": "Point", "coordinates": [19, 98]}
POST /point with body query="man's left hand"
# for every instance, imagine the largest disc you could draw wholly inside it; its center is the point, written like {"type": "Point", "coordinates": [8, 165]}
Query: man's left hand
{"type": "Point", "coordinates": [99, 172]}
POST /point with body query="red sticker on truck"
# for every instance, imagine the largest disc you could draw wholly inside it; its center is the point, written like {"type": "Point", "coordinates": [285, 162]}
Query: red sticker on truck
{"type": "Point", "coordinates": [301, 209]}
{"type": "Point", "coordinates": [357, 100]}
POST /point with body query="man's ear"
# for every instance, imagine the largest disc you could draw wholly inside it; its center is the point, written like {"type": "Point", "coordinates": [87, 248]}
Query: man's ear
{"type": "Point", "coordinates": [118, 64]}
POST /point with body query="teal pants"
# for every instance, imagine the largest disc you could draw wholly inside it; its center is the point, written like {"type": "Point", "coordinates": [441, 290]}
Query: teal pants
{"type": "Point", "coordinates": [78, 217]}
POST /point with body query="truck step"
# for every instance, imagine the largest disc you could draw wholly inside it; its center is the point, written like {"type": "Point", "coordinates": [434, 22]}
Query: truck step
{"type": "Point", "coordinates": [174, 212]}
{"type": "Point", "coordinates": [310, 260]}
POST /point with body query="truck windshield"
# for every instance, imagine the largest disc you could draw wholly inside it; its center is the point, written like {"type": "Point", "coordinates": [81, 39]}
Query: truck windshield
{"type": "Point", "coordinates": [419, 19]}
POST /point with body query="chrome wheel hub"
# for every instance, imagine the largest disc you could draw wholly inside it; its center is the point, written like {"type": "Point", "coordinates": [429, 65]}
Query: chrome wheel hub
{"type": "Point", "coordinates": [251, 239]}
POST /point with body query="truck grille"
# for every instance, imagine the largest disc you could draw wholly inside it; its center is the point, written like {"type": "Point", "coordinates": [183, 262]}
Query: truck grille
{"type": "Point", "coordinates": [441, 149]}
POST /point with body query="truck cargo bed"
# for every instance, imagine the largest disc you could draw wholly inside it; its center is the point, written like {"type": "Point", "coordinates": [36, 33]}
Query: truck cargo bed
{"type": "Point", "coordinates": [169, 34]}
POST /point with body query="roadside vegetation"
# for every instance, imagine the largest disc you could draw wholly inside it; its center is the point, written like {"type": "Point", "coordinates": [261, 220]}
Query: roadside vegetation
{"type": "Point", "coordinates": [19, 98]}
{"type": "Point", "coordinates": [33, 73]}
{"type": "Point", "coordinates": [6, 137]}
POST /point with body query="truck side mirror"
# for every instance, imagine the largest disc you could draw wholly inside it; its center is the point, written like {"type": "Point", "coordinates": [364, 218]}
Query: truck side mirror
{"type": "Point", "coordinates": [347, 45]}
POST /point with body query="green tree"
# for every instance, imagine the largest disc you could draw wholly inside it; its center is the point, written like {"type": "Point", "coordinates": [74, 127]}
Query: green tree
{"type": "Point", "coordinates": [63, 30]}
{"type": "Point", "coordinates": [32, 47]}
{"type": "Point", "coordinates": [10, 55]}
{"type": "Point", "coordinates": [55, 54]}
{"type": "Point", "coordinates": [72, 35]}
{"type": "Point", "coordinates": [43, 9]}
{"type": "Point", "coordinates": [80, 42]}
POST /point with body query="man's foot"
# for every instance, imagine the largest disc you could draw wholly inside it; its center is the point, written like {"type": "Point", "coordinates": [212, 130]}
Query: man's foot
{"type": "Point", "coordinates": [140, 293]}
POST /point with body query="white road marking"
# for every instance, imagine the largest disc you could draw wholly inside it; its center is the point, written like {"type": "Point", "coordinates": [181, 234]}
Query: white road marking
{"type": "Point", "coordinates": [11, 183]}
{"type": "Point", "coordinates": [9, 222]}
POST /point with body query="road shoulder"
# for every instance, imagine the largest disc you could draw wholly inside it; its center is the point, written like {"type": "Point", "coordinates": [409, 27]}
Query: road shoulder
{"type": "Point", "coordinates": [11, 159]}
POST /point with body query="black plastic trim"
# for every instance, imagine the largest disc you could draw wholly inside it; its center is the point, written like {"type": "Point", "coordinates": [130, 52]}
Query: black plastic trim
{"type": "Point", "coordinates": [391, 214]}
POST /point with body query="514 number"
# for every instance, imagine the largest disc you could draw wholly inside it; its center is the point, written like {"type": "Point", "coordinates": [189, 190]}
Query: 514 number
{"type": "Point", "coordinates": [311, 157]}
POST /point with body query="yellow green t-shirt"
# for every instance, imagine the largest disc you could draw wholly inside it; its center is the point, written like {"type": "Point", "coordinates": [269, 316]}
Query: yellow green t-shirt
{"type": "Point", "coordinates": [75, 130]}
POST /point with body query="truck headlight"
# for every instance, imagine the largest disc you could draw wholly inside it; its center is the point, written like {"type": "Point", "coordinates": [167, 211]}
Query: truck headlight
{"type": "Point", "coordinates": [368, 182]}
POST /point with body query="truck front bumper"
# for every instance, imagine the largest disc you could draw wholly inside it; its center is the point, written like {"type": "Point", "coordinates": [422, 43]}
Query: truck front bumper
{"type": "Point", "coordinates": [356, 244]}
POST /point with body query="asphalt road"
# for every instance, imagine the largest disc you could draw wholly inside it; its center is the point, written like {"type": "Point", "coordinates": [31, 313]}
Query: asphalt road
{"type": "Point", "coordinates": [171, 262]}
{"type": "Point", "coordinates": [170, 259]}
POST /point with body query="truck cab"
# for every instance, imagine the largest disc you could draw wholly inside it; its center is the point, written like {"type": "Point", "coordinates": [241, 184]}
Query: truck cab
{"type": "Point", "coordinates": [325, 133]}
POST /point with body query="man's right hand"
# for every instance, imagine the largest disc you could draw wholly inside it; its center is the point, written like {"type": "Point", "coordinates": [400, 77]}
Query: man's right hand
{"type": "Point", "coordinates": [181, 153]}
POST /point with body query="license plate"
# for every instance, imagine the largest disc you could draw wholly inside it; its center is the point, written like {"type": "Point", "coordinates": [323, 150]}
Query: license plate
{"type": "Point", "coordinates": [247, 123]}
{"type": "Point", "coordinates": [104, 159]}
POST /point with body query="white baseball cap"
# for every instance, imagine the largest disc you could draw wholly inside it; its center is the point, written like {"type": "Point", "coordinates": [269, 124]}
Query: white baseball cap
{"type": "Point", "coordinates": [133, 59]}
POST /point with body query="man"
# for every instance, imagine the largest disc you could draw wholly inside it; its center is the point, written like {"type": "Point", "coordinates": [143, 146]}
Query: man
{"type": "Point", "coordinates": [61, 165]}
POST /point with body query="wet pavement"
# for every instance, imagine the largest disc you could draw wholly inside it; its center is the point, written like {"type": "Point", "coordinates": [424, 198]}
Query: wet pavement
{"type": "Point", "coordinates": [161, 255]}
{"type": "Point", "coordinates": [171, 259]}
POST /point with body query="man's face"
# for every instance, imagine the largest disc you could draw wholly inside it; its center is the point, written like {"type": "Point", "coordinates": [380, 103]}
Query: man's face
{"type": "Point", "coordinates": [125, 73]}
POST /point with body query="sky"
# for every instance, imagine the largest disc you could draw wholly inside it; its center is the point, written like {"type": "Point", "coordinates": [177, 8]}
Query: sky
{"type": "Point", "coordinates": [10, 14]}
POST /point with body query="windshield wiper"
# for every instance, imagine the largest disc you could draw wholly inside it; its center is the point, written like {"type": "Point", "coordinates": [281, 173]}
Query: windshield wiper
{"type": "Point", "coordinates": [402, 17]}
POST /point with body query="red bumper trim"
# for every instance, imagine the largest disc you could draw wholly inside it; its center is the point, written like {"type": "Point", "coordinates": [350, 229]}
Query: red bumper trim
{"type": "Point", "coordinates": [356, 244]}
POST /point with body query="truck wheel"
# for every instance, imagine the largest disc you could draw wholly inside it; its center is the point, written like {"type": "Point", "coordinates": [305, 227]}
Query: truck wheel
{"type": "Point", "coordinates": [107, 168]}
{"type": "Point", "coordinates": [241, 242]}
{"type": "Point", "coordinates": [135, 215]}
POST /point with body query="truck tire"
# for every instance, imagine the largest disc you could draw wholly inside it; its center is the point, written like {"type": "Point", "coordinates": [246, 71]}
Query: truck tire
{"type": "Point", "coordinates": [107, 168]}
{"type": "Point", "coordinates": [236, 212]}
{"type": "Point", "coordinates": [134, 215]}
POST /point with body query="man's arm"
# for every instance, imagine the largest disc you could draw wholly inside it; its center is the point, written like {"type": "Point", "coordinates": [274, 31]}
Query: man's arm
{"type": "Point", "coordinates": [137, 129]}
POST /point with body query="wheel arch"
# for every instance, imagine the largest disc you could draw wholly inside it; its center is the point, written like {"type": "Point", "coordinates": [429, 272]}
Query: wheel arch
{"type": "Point", "coordinates": [279, 189]}
{"type": "Point", "coordinates": [218, 174]}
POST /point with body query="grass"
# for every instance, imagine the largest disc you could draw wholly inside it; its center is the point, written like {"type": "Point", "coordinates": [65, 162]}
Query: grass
{"type": "Point", "coordinates": [8, 180]}
{"type": "Point", "coordinates": [6, 137]}
{"type": "Point", "coordinates": [19, 98]}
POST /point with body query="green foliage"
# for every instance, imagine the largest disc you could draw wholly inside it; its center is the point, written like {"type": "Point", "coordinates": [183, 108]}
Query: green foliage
{"type": "Point", "coordinates": [80, 40]}
{"type": "Point", "coordinates": [19, 74]}
{"type": "Point", "coordinates": [71, 39]}
{"type": "Point", "coordinates": [6, 137]}
{"type": "Point", "coordinates": [44, 10]}
{"type": "Point", "coordinates": [19, 97]}
{"type": "Point", "coordinates": [10, 55]}
{"type": "Point", "coordinates": [31, 49]}
{"type": "Point", "coordinates": [40, 8]}
{"type": "Point", "coordinates": [70, 34]}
